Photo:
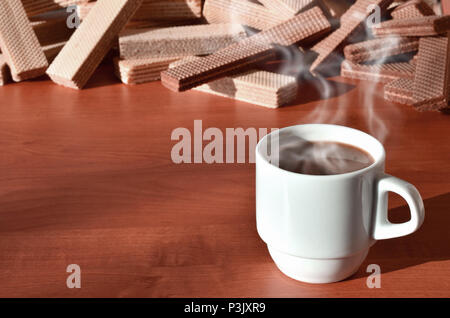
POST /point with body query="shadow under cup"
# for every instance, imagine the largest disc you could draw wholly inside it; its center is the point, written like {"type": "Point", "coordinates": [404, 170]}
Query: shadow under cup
{"type": "Point", "coordinates": [318, 228]}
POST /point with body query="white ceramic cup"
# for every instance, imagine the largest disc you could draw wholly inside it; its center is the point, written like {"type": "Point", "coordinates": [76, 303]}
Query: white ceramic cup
{"type": "Point", "coordinates": [319, 229]}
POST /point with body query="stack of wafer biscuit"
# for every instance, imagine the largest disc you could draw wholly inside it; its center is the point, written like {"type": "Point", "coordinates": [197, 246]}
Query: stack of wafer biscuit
{"type": "Point", "coordinates": [409, 53]}
{"type": "Point", "coordinates": [227, 47]}
{"type": "Point", "coordinates": [255, 86]}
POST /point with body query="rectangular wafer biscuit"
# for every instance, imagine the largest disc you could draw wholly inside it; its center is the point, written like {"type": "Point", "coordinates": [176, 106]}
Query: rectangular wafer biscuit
{"type": "Point", "coordinates": [261, 88]}
{"type": "Point", "coordinates": [412, 9]}
{"type": "Point", "coordinates": [173, 10]}
{"type": "Point", "coordinates": [79, 58]}
{"type": "Point", "coordinates": [380, 48]}
{"type": "Point", "coordinates": [400, 91]}
{"type": "Point", "coordinates": [158, 10]}
{"type": "Point", "coordinates": [18, 42]}
{"type": "Point", "coordinates": [257, 87]}
{"type": "Point", "coordinates": [383, 73]}
{"type": "Point", "coordinates": [243, 12]}
{"type": "Point", "coordinates": [34, 7]}
{"type": "Point", "coordinates": [251, 50]}
{"type": "Point", "coordinates": [431, 83]}
{"type": "Point", "coordinates": [141, 23]}
{"type": "Point", "coordinates": [289, 8]}
{"type": "Point", "coordinates": [139, 71]}
{"type": "Point", "coordinates": [361, 9]}
{"type": "Point", "coordinates": [421, 26]}
{"type": "Point", "coordinates": [50, 52]}
{"type": "Point", "coordinates": [229, 60]}
{"type": "Point", "coordinates": [178, 41]}
{"type": "Point", "coordinates": [331, 47]}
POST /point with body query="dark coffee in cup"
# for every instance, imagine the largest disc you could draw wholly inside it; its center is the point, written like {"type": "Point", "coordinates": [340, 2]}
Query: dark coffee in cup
{"type": "Point", "coordinates": [321, 158]}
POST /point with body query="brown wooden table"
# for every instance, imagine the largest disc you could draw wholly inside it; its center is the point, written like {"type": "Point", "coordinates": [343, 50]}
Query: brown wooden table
{"type": "Point", "coordinates": [86, 178]}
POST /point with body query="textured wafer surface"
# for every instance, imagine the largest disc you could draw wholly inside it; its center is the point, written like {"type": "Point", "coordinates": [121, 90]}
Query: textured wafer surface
{"type": "Point", "coordinates": [178, 41]}
{"type": "Point", "coordinates": [412, 9]}
{"type": "Point", "coordinates": [431, 84]}
{"type": "Point", "coordinates": [421, 26]}
{"type": "Point", "coordinates": [221, 63]}
{"type": "Point", "coordinates": [33, 7]}
{"type": "Point", "coordinates": [248, 51]}
{"type": "Point", "coordinates": [383, 73]}
{"type": "Point", "coordinates": [243, 12]}
{"type": "Point", "coordinates": [400, 91]}
{"type": "Point", "coordinates": [332, 45]}
{"type": "Point", "coordinates": [257, 87]}
{"type": "Point", "coordinates": [287, 7]}
{"type": "Point", "coordinates": [380, 48]}
{"type": "Point", "coordinates": [86, 48]}
{"type": "Point", "coordinates": [158, 10]}
{"type": "Point", "coordinates": [307, 25]}
{"type": "Point", "coordinates": [18, 42]}
{"type": "Point", "coordinates": [169, 10]}
{"type": "Point", "coordinates": [141, 70]}
{"type": "Point", "coordinates": [254, 86]}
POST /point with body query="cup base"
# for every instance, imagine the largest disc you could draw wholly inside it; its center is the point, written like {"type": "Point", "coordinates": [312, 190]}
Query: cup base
{"type": "Point", "coordinates": [317, 271]}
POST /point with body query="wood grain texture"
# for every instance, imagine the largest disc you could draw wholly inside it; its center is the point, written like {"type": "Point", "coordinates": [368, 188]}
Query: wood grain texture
{"type": "Point", "coordinates": [86, 177]}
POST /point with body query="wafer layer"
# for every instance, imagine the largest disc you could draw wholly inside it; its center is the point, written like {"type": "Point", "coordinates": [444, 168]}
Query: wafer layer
{"type": "Point", "coordinates": [400, 91]}
{"type": "Point", "coordinates": [178, 41]}
{"type": "Point", "coordinates": [380, 48]}
{"type": "Point", "coordinates": [50, 52]}
{"type": "Point", "coordinates": [172, 10]}
{"type": "Point", "coordinates": [249, 51]}
{"type": "Point", "coordinates": [141, 70]}
{"type": "Point", "coordinates": [383, 73]}
{"type": "Point", "coordinates": [328, 48]}
{"type": "Point", "coordinates": [412, 9]}
{"type": "Point", "coordinates": [19, 43]}
{"type": "Point", "coordinates": [254, 86]}
{"type": "Point", "coordinates": [33, 7]}
{"type": "Point", "coordinates": [422, 26]}
{"type": "Point", "coordinates": [86, 48]}
{"type": "Point", "coordinates": [431, 84]}
{"type": "Point", "coordinates": [231, 59]}
{"type": "Point", "coordinates": [242, 12]}
{"type": "Point", "coordinates": [288, 8]}
{"type": "Point", "coordinates": [158, 10]}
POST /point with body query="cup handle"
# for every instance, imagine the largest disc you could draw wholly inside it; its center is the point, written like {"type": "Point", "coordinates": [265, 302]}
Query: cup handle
{"type": "Point", "coordinates": [382, 228]}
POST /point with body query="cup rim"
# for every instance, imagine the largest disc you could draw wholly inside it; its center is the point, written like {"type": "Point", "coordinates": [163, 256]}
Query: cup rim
{"type": "Point", "coordinates": [377, 161]}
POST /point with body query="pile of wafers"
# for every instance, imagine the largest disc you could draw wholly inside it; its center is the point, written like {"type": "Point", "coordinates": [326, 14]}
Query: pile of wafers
{"type": "Point", "coordinates": [223, 47]}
